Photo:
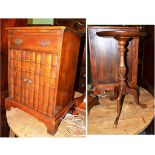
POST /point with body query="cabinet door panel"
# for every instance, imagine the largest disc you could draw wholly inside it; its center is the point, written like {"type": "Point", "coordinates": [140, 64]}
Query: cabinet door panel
{"type": "Point", "coordinates": [33, 78]}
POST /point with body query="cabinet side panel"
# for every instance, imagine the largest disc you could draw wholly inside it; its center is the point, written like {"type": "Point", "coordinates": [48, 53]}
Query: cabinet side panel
{"type": "Point", "coordinates": [67, 71]}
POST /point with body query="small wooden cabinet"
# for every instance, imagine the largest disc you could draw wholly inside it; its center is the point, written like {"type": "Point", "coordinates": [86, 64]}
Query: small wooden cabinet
{"type": "Point", "coordinates": [42, 69]}
{"type": "Point", "coordinates": [104, 57]}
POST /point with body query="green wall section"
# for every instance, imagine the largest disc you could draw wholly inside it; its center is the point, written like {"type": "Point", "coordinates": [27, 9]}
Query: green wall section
{"type": "Point", "coordinates": [48, 21]}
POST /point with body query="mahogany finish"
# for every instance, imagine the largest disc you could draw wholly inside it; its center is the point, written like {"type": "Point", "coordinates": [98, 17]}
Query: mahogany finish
{"type": "Point", "coordinates": [80, 105]}
{"type": "Point", "coordinates": [79, 25]}
{"type": "Point", "coordinates": [147, 76]}
{"type": "Point", "coordinates": [4, 23]}
{"type": "Point", "coordinates": [120, 91]}
{"type": "Point", "coordinates": [104, 57]}
{"type": "Point", "coordinates": [80, 84]}
{"type": "Point", "coordinates": [42, 68]}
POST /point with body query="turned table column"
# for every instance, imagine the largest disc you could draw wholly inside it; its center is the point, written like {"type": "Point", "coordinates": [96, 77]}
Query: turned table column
{"type": "Point", "coordinates": [123, 37]}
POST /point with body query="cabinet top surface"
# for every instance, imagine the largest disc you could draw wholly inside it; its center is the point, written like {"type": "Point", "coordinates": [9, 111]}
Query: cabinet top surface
{"type": "Point", "coordinates": [39, 28]}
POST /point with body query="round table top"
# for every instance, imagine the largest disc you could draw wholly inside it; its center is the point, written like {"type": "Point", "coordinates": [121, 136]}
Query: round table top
{"type": "Point", "coordinates": [122, 33]}
{"type": "Point", "coordinates": [133, 119]}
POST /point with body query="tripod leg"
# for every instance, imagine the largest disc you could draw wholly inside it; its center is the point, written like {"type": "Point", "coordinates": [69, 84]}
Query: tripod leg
{"type": "Point", "coordinates": [119, 107]}
{"type": "Point", "coordinates": [135, 94]}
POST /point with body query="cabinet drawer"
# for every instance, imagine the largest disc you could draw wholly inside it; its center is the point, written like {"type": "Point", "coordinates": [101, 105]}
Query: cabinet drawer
{"type": "Point", "coordinates": [33, 42]}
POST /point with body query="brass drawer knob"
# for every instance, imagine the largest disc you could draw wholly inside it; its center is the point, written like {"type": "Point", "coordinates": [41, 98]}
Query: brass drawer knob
{"type": "Point", "coordinates": [18, 41]}
{"type": "Point", "coordinates": [29, 81]}
{"type": "Point", "coordinates": [25, 80]}
{"type": "Point", "coordinates": [44, 43]}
